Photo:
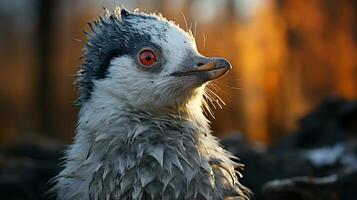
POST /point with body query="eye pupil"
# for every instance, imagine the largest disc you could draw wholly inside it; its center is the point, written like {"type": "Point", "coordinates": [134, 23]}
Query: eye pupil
{"type": "Point", "coordinates": [147, 58]}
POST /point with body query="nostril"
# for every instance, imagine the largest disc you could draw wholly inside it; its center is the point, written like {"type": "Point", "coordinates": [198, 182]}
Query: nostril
{"type": "Point", "coordinates": [200, 64]}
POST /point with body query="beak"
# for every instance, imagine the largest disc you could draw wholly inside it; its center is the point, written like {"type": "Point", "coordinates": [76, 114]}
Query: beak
{"type": "Point", "coordinates": [207, 69]}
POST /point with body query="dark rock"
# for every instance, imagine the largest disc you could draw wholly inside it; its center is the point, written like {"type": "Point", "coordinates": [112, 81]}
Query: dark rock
{"type": "Point", "coordinates": [329, 123]}
{"type": "Point", "coordinates": [303, 165]}
{"type": "Point", "coordinates": [337, 186]}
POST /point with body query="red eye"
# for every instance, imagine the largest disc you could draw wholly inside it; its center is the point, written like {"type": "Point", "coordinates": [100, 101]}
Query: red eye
{"type": "Point", "coordinates": [147, 57]}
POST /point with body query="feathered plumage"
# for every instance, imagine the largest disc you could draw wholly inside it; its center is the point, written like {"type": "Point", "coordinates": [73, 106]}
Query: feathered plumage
{"type": "Point", "coordinates": [141, 132]}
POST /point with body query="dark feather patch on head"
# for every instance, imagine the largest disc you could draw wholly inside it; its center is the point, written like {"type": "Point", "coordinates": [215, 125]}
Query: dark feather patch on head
{"type": "Point", "coordinates": [124, 12]}
{"type": "Point", "coordinates": [109, 37]}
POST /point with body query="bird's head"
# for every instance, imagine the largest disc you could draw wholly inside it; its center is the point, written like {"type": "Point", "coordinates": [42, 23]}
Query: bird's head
{"type": "Point", "coordinates": [145, 61]}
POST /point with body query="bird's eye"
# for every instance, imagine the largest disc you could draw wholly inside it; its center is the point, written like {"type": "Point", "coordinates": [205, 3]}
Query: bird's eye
{"type": "Point", "coordinates": [147, 57]}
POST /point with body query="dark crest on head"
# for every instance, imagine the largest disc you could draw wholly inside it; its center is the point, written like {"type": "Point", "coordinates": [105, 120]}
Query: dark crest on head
{"type": "Point", "coordinates": [109, 37]}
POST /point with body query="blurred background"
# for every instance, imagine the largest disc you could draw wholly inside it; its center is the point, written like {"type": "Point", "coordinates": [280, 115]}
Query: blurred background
{"type": "Point", "coordinates": [288, 56]}
{"type": "Point", "coordinates": [291, 59]}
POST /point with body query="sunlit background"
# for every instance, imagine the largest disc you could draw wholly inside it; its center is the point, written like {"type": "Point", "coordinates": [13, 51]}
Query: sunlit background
{"type": "Point", "coordinates": [287, 55]}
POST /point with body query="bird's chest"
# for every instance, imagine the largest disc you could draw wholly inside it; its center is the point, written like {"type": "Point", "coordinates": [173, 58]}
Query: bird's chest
{"type": "Point", "coordinates": [158, 166]}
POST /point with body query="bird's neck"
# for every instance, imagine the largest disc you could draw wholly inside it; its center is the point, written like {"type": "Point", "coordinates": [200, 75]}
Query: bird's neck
{"type": "Point", "coordinates": [112, 113]}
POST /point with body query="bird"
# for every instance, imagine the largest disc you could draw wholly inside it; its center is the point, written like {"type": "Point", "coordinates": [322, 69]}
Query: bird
{"type": "Point", "coordinates": [142, 132]}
